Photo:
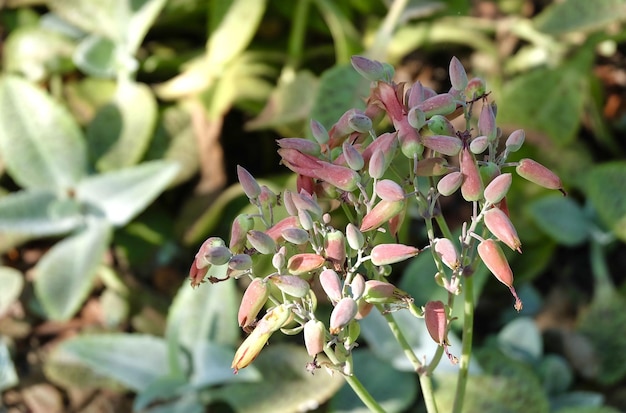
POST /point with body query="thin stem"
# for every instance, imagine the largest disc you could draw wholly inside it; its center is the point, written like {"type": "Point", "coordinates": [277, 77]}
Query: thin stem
{"type": "Point", "coordinates": [296, 37]}
{"type": "Point", "coordinates": [356, 385]}
{"type": "Point", "coordinates": [383, 35]}
{"type": "Point", "coordinates": [466, 351]}
{"type": "Point", "coordinates": [604, 287]}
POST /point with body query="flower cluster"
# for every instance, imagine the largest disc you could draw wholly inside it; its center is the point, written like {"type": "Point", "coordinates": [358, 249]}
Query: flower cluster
{"type": "Point", "coordinates": [371, 178]}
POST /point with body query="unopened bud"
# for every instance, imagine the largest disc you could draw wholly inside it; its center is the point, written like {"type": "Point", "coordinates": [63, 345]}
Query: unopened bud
{"type": "Point", "coordinates": [487, 122]}
{"type": "Point", "coordinates": [304, 263]}
{"type": "Point", "coordinates": [290, 284]}
{"type": "Point", "coordinates": [493, 257]}
{"type": "Point", "coordinates": [515, 140]}
{"type": "Point", "coordinates": [261, 242]}
{"type": "Point", "coordinates": [335, 248]}
{"type": "Point", "coordinates": [240, 262]}
{"type": "Point", "coordinates": [377, 165]}
{"type": "Point", "coordinates": [450, 183]}
{"type": "Point", "coordinates": [414, 96]}
{"type": "Point", "coordinates": [331, 284]}
{"type": "Point", "coordinates": [357, 286]}
{"type": "Point", "coordinates": [279, 260]}
{"type": "Point", "coordinates": [290, 206]}
{"type": "Point", "coordinates": [314, 337]}
{"type": "Point", "coordinates": [254, 298]}
{"type": "Point", "coordinates": [218, 255]}
{"type": "Point", "coordinates": [302, 145]}
{"type": "Point", "coordinates": [475, 88]}
{"type": "Point", "coordinates": [306, 222]}
{"type": "Point", "coordinates": [319, 132]}
{"type": "Point", "coordinates": [276, 230]}
{"type": "Point", "coordinates": [498, 188]}
{"type": "Point", "coordinates": [381, 213]}
{"type": "Point", "coordinates": [369, 69]}
{"type": "Point", "coordinates": [447, 251]}
{"type": "Point", "coordinates": [267, 197]}
{"type": "Point", "coordinates": [479, 144]}
{"type": "Point", "coordinates": [360, 122]}
{"type": "Point", "coordinates": [296, 236]}
{"type": "Point", "coordinates": [389, 190]}
{"type": "Point", "coordinates": [442, 104]}
{"type": "Point", "coordinates": [355, 238]}
{"type": "Point", "coordinates": [416, 118]}
{"type": "Point", "coordinates": [353, 158]}
{"type": "Point", "coordinates": [410, 144]}
{"type": "Point", "coordinates": [201, 258]}
{"type": "Point", "coordinates": [378, 292]}
{"type": "Point", "coordinates": [305, 201]}
{"type": "Point", "coordinates": [250, 186]}
{"type": "Point", "coordinates": [472, 186]}
{"type": "Point", "coordinates": [499, 224]}
{"type": "Point", "coordinates": [436, 322]}
{"type": "Point", "coordinates": [447, 145]}
{"type": "Point", "coordinates": [343, 313]}
{"type": "Point", "coordinates": [440, 125]}
{"type": "Point", "coordinates": [539, 174]}
{"type": "Point", "coordinates": [384, 254]}
{"type": "Point", "coordinates": [458, 76]}
{"type": "Point", "coordinates": [239, 230]}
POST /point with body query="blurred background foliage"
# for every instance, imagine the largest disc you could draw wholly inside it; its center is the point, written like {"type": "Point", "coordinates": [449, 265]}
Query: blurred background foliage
{"type": "Point", "coordinates": [122, 122]}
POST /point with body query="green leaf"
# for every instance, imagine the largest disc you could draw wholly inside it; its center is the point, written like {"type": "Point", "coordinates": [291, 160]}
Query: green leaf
{"type": "Point", "coordinates": [66, 272]}
{"type": "Point", "coordinates": [40, 142]}
{"type": "Point", "coordinates": [160, 390]}
{"type": "Point", "coordinates": [188, 403]}
{"type": "Point", "coordinates": [212, 366]}
{"type": "Point", "coordinates": [36, 53]}
{"type": "Point", "coordinates": [85, 96]}
{"type": "Point", "coordinates": [556, 374]}
{"type": "Point", "coordinates": [285, 105]}
{"type": "Point", "coordinates": [121, 195]}
{"type": "Point", "coordinates": [286, 386]}
{"type": "Point", "coordinates": [340, 88]}
{"type": "Point", "coordinates": [131, 359]}
{"type": "Point", "coordinates": [95, 55]}
{"type": "Point", "coordinates": [231, 37]}
{"type": "Point", "coordinates": [205, 314]}
{"type": "Point", "coordinates": [12, 282]}
{"type": "Point", "coordinates": [521, 340]}
{"type": "Point", "coordinates": [394, 390]}
{"type": "Point", "coordinates": [562, 219]}
{"type": "Point", "coordinates": [548, 100]}
{"type": "Point", "coordinates": [604, 187]}
{"type": "Point", "coordinates": [38, 213]}
{"type": "Point", "coordinates": [580, 15]}
{"type": "Point", "coordinates": [8, 376]}
{"type": "Point", "coordinates": [120, 133]}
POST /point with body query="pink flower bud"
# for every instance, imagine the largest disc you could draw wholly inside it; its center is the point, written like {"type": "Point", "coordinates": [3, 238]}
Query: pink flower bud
{"type": "Point", "coordinates": [341, 129]}
{"type": "Point", "coordinates": [303, 145]}
{"type": "Point", "coordinates": [515, 140]}
{"type": "Point", "coordinates": [447, 251]}
{"type": "Point", "coordinates": [335, 248]}
{"type": "Point", "coordinates": [377, 165]}
{"type": "Point", "coordinates": [331, 284]}
{"type": "Point", "coordinates": [353, 158]}
{"type": "Point", "coordinates": [387, 143]}
{"type": "Point", "coordinates": [319, 132]}
{"type": "Point", "coordinates": [378, 292]}
{"type": "Point", "coordinates": [499, 224]}
{"type": "Point", "coordinates": [472, 186]}
{"type": "Point", "coordinates": [355, 238]}
{"type": "Point", "coordinates": [360, 122]}
{"type": "Point", "coordinates": [261, 242]}
{"type": "Point", "coordinates": [498, 188]}
{"type": "Point", "coordinates": [290, 284]}
{"type": "Point", "coordinates": [487, 122]}
{"type": "Point", "coordinates": [296, 236]}
{"type": "Point", "coordinates": [442, 104]}
{"type": "Point", "coordinates": [434, 166]}
{"type": "Point", "coordinates": [447, 145]}
{"type": "Point", "coordinates": [343, 313]}
{"type": "Point", "coordinates": [240, 262]}
{"type": "Point", "coordinates": [493, 257]}
{"type": "Point", "coordinates": [450, 183]}
{"type": "Point", "coordinates": [275, 232]}
{"type": "Point", "coordinates": [268, 198]}
{"type": "Point", "coordinates": [479, 144]}
{"type": "Point", "coordinates": [218, 255]}
{"type": "Point", "coordinates": [304, 263]}
{"type": "Point", "coordinates": [458, 77]}
{"type": "Point", "coordinates": [369, 69]}
{"type": "Point", "coordinates": [475, 88]}
{"type": "Point", "coordinates": [314, 337]}
{"type": "Point", "coordinates": [538, 174]}
{"type": "Point", "coordinates": [415, 95]}
{"type": "Point", "coordinates": [201, 260]}
{"type": "Point", "coordinates": [364, 308]}
{"type": "Point", "coordinates": [305, 201]}
{"type": "Point", "coordinates": [384, 254]}
{"type": "Point", "coordinates": [238, 232]}
{"type": "Point", "coordinates": [381, 213]}
{"type": "Point", "coordinates": [440, 125]}
{"type": "Point", "coordinates": [436, 322]}
{"type": "Point", "coordinates": [248, 183]}
{"type": "Point", "coordinates": [290, 207]}
{"type": "Point", "coordinates": [196, 275]}
{"type": "Point", "coordinates": [357, 286]}
{"type": "Point", "coordinates": [389, 190]}
{"type": "Point", "coordinates": [254, 298]}
{"type": "Point", "coordinates": [254, 343]}
{"type": "Point", "coordinates": [410, 144]}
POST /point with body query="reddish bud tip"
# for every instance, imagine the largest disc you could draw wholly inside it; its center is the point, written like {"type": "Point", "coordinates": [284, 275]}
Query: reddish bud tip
{"type": "Point", "coordinates": [386, 254]}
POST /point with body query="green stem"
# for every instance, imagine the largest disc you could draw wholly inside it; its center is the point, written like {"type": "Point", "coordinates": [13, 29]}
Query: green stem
{"type": "Point", "coordinates": [356, 385]}
{"type": "Point", "coordinates": [603, 288]}
{"type": "Point", "coordinates": [383, 35]}
{"type": "Point", "coordinates": [296, 37]}
{"type": "Point", "coordinates": [466, 350]}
